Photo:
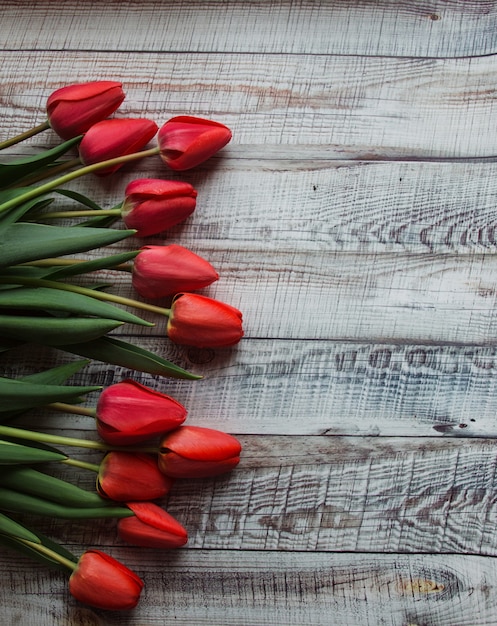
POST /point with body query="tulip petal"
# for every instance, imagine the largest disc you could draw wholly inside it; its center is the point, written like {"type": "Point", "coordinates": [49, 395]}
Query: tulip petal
{"type": "Point", "coordinates": [202, 444]}
{"type": "Point", "coordinates": [151, 527]}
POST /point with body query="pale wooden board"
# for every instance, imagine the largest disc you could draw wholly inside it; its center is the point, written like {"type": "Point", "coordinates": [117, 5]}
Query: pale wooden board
{"type": "Point", "coordinates": [335, 494]}
{"type": "Point", "coordinates": [368, 291]}
{"type": "Point", "coordinates": [253, 588]}
{"type": "Point", "coordinates": [383, 107]}
{"type": "Point", "coordinates": [388, 27]}
{"type": "Point", "coordinates": [313, 387]}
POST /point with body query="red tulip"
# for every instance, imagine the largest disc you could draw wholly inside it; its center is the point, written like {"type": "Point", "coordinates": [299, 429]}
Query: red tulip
{"type": "Point", "coordinates": [114, 138]}
{"type": "Point", "coordinates": [104, 583]}
{"type": "Point", "coordinates": [72, 110]}
{"type": "Point", "coordinates": [125, 476]}
{"type": "Point", "coordinates": [186, 141]}
{"type": "Point", "coordinates": [151, 527]}
{"type": "Point", "coordinates": [161, 271]}
{"type": "Point", "coordinates": [129, 413]}
{"type": "Point", "coordinates": [203, 322]}
{"type": "Point", "coordinates": [153, 205]}
{"type": "Point", "coordinates": [195, 452]}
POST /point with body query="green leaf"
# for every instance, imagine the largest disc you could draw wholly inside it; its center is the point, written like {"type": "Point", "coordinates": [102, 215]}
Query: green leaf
{"type": "Point", "coordinates": [12, 452]}
{"type": "Point", "coordinates": [12, 172]}
{"type": "Point", "coordinates": [22, 242]}
{"type": "Point", "coordinates": [56, 375]}
{"type": "Point", "coordinates": [79, 197]}
{"type": "Point", "coordinates": [37, 553]}
{"type": "Point", "coordinates": [17, 502]}
{"type": "Point", "coordinates": [36, 483]}
{"type": "Point", "coordinates": [118, 352]}
{"type": "Point", "coordinates": [54, 331]}
{"type": "Point", "coordinates": [47, 299]}
{"type": "Point", "coordinates": [15, 214]}
{"type": "Point", "coordinates": [92, 266]}
{"type": "Point", "coordinates": [22, 394]}
{"type": "Point", "coordinates": [14, 529]}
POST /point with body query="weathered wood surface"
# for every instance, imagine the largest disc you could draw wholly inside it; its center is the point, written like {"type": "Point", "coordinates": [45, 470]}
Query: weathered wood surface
{"type": "Point", "coordinates": [352, 219]}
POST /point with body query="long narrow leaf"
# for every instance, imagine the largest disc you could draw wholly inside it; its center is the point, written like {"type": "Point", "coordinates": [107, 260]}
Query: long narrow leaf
{"type": "Point", "coordinates": [16, 213]}
{"type": "Point", "coordinates": [11, 528]}
{"type": "Point", "coordinates": [92, 266]}
{"type": "Point", "coordinates": [35, 553]}
{"type": "Point", "coordinates": [12, 453]}
{"type": "Point", "coordinates": [118, 352]}
{"type": "Point", "coordinates": [18, 394]}
{"type": "Point", "coordinates": [17, 502]}
{"type": "Point", "coordinates": [56, 375]}
{"type": "Point", "coordinates": [54, 331]}
{"type": "Point", "coordinates": [16, 170]}
{"type": "Point", "coordinates": [22, 242]}
{"type": "Point", "coordinates": [31, 481]}
{"type": "Point", "coordinates": [47, 299]}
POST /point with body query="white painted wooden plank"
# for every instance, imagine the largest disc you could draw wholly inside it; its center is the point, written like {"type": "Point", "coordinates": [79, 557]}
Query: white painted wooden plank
{"type": "Point", "coordinates": [374, 298]}
{"type": "Point", "coordinates": [332, 207]}
{"type": "Point", "coordinates": [388, 27]}
{"type": "Point", "coordinates": [384, 107]}
{"type": "Point", "coordinates": [229, 588]}
{"type": "Point", "coordinates": [334, 494]}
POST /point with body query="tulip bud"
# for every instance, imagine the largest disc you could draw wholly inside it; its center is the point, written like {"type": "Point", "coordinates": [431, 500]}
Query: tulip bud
{"type": "Point", "coordinates": [186, 141]}
{"type": "Point", "coordinates": [161, 271]}
{"type": "Point", "coordinates": [129, 413]}
{"type": "Point", "coordinates": [104, 583]}
{"type": "Point", "coordinates": [195, 452]}
{"type": "Point", "coordinates": [72, 110]}
{"type": "Point", "coordinates": [114, 138]}
{"type": "Point", "coordinates": [203, 322]}
{"type": "Point", "coordinates": [129, 476]}
{"type": "Point", "coordinates": [153, 205]}
{"type": "Point", "coordinates": [151, 527]}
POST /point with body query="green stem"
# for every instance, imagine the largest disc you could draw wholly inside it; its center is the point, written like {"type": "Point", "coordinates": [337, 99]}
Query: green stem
{"type": "Point", "coordinates": [73, 408]}
{"type": "Point", "coordinates": [82, 464]}
{"type": "Point", "coordinates": [92, 293]}
{"type": "Point", "coordinates": [50, 553]}
{"type": "Point", "coordinates": [30, 435]}
{"type": "Point", "coordinates": [62, 180]}
{"type": "Point", "coordinates": [26, 135]}
{"type": "Point", "coordinates": [80, 213]}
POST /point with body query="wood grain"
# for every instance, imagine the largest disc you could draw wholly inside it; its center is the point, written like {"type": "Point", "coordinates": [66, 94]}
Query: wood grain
{"type": "Point", "coordinates": [352, 219]}
{"type": "Point", "coordinates": [379, 106]}
{"type": "Point", "coordinates": [251, 588]}
{"type": "Point", "coordinates": [386, 28]}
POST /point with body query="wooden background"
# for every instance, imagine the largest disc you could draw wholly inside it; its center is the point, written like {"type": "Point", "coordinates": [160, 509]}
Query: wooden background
{"type": "Point", "coordinates": [353, 221]}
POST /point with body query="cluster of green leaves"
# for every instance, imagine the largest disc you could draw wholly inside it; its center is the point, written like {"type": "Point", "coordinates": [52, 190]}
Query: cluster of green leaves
{"type": "Point", "coordinates": [38, 307]}
{"type": "Point", "coordinates": [33, 307]}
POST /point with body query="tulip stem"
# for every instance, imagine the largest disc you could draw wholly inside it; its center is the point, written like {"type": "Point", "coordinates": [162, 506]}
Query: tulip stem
{"type": "Point", "coordinates": [82, 464]}
{"type": "Point", "coordinates": [30, 435]}
{"type": "Point", "coordinates": [62, 180]}
{"type": "Point", "coordinates": [80, 213]}
{"type": "Point", "coordinates": [73, 408]}
{"type": "Point", "coordinates": [49, 553]}
{"type": "Point", "coordinates": [26, 135]}
{"type": "Point", "coordinates": [92, 293]}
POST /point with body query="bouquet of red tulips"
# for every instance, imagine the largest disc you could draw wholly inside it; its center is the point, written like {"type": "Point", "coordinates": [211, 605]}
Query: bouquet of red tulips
{"type": "Point", "coordinates": [43, 303]}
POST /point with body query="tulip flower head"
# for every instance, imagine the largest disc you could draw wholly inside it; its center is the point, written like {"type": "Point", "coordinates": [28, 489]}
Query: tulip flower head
{"type": "Point", "coordinates": [128, 476]}
{"type": "Point", "coordinates": [151, 527]}
{"type": "Point", "coordinates": [129, 413]}
{"type": "Point", "coordinates": [186, 141]}
{"type": "Point", "coordinates": [160, 271]}
{"type": "Point", "coordinates": [104, 583]}
{"type": "Point", "coordinates": [196, 452]}
{"type": "Point", "coordinates": [202, 322]}
{"type": "Point", "coordinates": [114, 138]}
{"type": "Point", "coordinates": [153, 205]}
{"type": "Point", "coordinates": [72, 110]}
